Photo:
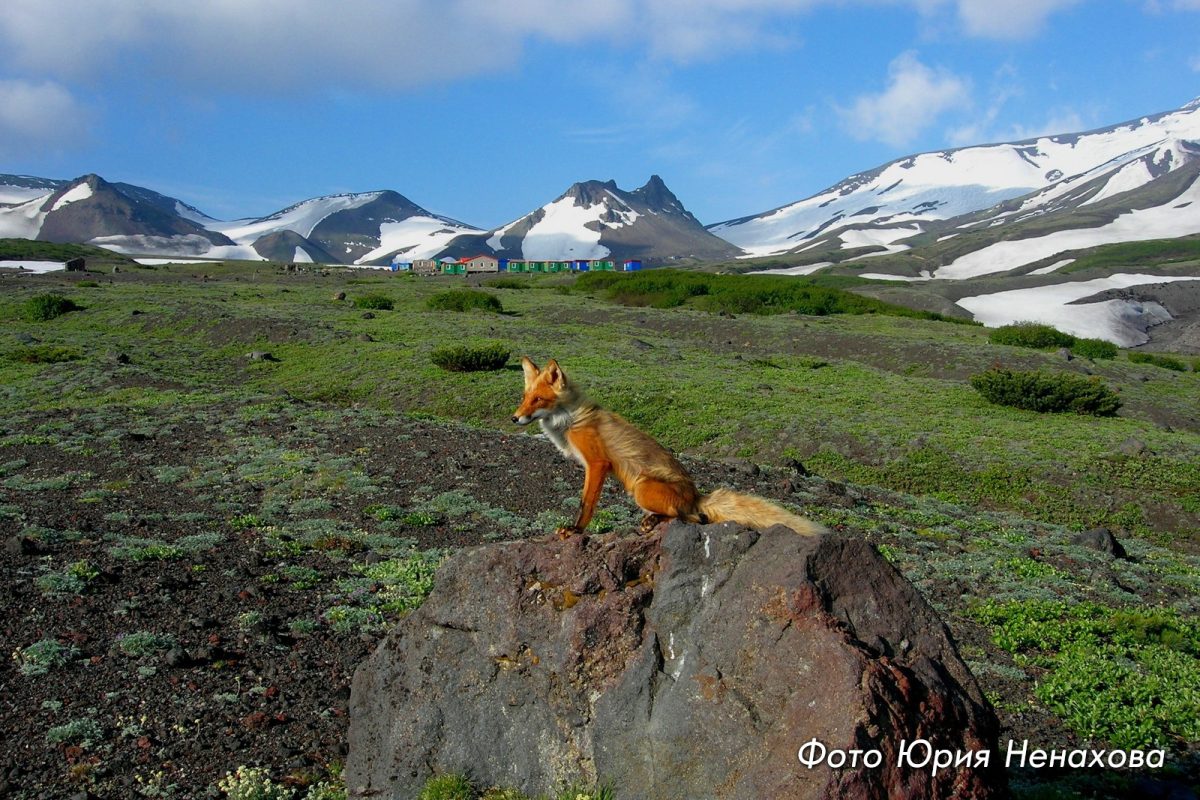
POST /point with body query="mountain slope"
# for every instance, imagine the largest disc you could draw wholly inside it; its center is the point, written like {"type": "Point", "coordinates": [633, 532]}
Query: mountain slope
{"type": "Point", "coordinates": [364, 227]}
{"type": "Point", "coordinates": [907, 196]}
{"type": "Point", "coordinates": [595, 219]}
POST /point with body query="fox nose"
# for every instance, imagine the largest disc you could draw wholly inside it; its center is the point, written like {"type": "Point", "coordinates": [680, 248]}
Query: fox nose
{"type": "Point", "coordinates": [516, 419]}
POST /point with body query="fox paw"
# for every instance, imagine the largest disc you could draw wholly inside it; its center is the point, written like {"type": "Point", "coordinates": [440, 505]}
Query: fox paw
{"type": "Point", "coordinates": [567, 531]}
{"type": "Point", "coordinates": [650, 522]}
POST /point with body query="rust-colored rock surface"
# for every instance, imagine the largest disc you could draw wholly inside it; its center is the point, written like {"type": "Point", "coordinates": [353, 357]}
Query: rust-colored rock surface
{"type": "Point", "coordinates": [692, 663]}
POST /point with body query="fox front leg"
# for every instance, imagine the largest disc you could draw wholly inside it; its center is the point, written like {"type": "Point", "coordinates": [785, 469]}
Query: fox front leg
{"type": "Point", "coordinates": [593, 481]}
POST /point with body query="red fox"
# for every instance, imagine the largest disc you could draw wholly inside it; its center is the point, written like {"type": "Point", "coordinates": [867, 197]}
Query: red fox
{"type": "Point", "coordinates": [604, 442]}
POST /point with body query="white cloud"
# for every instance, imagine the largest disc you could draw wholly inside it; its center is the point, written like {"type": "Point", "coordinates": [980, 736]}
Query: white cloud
{"type": "Point", "coordinates": [1010, 19]}
{"type": "Point", "coordinates": [304, 44]}
{"type": "Point", "coordinates": [916, 95]}
{"type": "Point", "coordinates": [38, 117]}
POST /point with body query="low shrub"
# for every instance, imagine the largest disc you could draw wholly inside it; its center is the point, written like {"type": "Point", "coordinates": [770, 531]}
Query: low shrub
{"type": "Point", "coordinates": [743, 294]}
{"type": "Point", "coordinates": [1094, 348]}
{"type": "Point", "coordinates": [375, 302]}
{"type": "Point", "coordinates": [1047, 392]}
{"type": "Point", "coordinates": [1166, 362]}
{"type": "Point", "coordinates": [44, 307]}
{"type": "Point", "coordinates": [461, 358]}
{"type": "Point", "coordinates": [507, 283]}
{"type": "Point", "coordinates": [1031, 334]}
{"type": "Point", "coordinates": [464, 300]}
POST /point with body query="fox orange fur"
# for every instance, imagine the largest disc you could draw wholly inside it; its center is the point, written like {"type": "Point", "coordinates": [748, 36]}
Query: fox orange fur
{"type": "Point", "coordinates": [604, 442]}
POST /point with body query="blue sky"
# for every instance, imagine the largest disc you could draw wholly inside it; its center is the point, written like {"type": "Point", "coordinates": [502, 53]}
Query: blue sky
{"type": "Point", "coordinates": [485, 110]}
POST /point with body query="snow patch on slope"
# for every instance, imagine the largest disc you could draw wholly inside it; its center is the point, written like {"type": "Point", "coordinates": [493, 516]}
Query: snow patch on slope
{"type": "Point", "coordinates": [1121, 321]}
{"type": "Point", "coordinates": [562, 232]}
{"type": "Point", "coordinates": [34, 266]}
{"type": "Point", "coordinates": [23, 221]}
{"type": "Point", "coordinates": [417, 237]}
{"type": "Point", "coordinates": [1179, 217]}
{"type": "Point", "coordinates": [73, 195]}
{"type": "Point", "coordinates": [189, 245]}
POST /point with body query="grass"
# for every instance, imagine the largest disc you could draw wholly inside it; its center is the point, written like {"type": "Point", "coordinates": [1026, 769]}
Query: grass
{"type": "Point", "coordinates": [739, 294]}
{"type": "Point", "coordinates": [1126, 676]}
{"type": "Point", "coordinates": [1166, 362]}
{"type": "Point", "coordinates": [1131, 254]}
{"type": "Point", "coordinates": [963, 490]}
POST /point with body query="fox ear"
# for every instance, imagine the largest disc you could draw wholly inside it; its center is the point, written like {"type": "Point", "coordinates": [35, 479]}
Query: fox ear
{"type": "Point", "coordinates": [531, 370]}
{"type": "Point", "coordinates": [554, 374]}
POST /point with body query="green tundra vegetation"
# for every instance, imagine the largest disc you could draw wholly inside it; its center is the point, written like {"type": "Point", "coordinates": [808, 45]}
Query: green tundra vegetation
{"type": "Point", "coordinates": [978, 504]}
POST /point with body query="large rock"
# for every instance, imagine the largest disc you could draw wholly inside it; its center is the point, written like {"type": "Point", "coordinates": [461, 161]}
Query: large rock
{"type": "Point", "coordinates": [690, 664]}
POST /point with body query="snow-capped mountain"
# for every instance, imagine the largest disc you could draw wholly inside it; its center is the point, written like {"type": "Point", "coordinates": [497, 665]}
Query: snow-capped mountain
{"type": "Point", "coordinates": [92, 210]}
{"type": "Point", "coordinates": [906, 197]}
{"type": "Point", "coordinates": [368, 227]}
{"type": "Point", "coordinates": [597, 219]}
{"type": "Point", "coordinates": [360, 228]}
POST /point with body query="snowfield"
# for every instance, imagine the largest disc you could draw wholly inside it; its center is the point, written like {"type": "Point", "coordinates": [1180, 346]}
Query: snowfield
{"type": "Point", "coordinates": [34, 266]}
{"type": "Point", "coordinates": [1121, 321]}
{"type": "Point", "coordinates": [190, 245]}
{"type": "Point", "coordinates": [80, 192]}
{"type": "Point", "coordinates": [23, 221]}
{"type": "Point", "coordinates": [562, 232]}
{"type": "Point", "coordinates": [417, 237]}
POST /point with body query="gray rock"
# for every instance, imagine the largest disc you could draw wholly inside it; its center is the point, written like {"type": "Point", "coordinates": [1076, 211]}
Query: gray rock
{"type": "Point", "coordinates": [1101, 539]}
{"type": "Point", "coordinates": [1065, 353]}
{"type": "Point", "coordinates": [690, 663]}
{"type": "Point", "coordinates": [260, 355]}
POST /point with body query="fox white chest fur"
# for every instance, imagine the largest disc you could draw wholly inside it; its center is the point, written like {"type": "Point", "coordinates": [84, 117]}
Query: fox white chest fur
{"type": "Point", "coordinates": [555, 426]}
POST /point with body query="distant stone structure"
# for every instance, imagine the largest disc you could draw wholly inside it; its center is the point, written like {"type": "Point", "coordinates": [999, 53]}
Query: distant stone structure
{"type": "Point", "coordinates": [77, 265]}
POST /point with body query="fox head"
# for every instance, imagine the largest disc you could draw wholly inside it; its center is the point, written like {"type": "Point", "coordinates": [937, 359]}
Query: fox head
{"type": "Point", "coordinates": [544, 388]}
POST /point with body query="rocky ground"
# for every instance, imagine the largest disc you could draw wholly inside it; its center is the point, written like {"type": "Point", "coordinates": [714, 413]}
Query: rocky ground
{"type": "Point", "coordinates": [195, 639]}
{"type": "Point", "coordinates": [198, 639]}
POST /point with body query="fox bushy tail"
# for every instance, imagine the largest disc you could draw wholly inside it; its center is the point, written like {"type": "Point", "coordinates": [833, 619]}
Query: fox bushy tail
{"type": "Point", "coordinates": [726, 505]}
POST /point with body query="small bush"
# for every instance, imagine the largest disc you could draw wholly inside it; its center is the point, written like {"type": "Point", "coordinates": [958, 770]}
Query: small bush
{"type": "Point", "coordinates": [48, 306]}
{"type": "Point", "coordinates": [40, 657]}
{"type": "Point", "coordinates": [460, 358]}
{"type": "Point", "coordinates": [1166, 362]}
{"type": "Point", "coordinates": [507, 283]}
{"type": "Point", "coordinates": [84, 732]}
{"type": "Point", "coordinates": [1031, 334]}
{"type": "Point", "coordinates": [464, 300]}
{"type": "Point", "coordinates": [375, 302]}
{"type": "Point", "coordinates": [1045, 392]}
{"type": "Point", "coordinates": [1094, 348]}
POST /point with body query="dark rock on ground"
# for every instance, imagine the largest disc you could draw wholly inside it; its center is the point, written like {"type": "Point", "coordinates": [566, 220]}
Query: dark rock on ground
{"type": "Point", "coordinates": [690, 663]}
{"type": "Point", "coordinates": [1101, 539]}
